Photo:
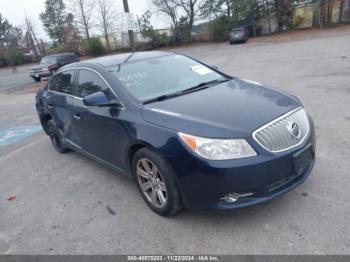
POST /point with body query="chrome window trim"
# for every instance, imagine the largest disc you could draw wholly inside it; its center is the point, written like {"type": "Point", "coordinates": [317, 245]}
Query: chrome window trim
{"type": "Point", "coordinates": [274, 121]}
{"type": "Point", "coordinates": [80, 98]}
{"type": "Point", "coordinates": [60, 93]}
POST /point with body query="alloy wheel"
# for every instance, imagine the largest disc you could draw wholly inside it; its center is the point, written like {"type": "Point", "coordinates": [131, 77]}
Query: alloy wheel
{"type": "Point", "coordinates": [151, 183]}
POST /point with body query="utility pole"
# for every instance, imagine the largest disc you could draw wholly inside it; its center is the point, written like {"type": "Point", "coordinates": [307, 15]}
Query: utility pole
{"type": "Point", "coordinates": [322, 13]}
{"type": "Point", "coordinates": [268, 19]}
{"type": "Point", "coordinates": [130, 32]}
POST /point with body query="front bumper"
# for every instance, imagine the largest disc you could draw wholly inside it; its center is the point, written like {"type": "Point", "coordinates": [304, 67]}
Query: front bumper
{"type": "Point", "coordinates": [44, 73]}
{"type": "Point", "coordinates": [203, 184]}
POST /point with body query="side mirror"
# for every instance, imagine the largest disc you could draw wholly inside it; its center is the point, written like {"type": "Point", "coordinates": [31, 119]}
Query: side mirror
{"type": "Point", "coordinates": [214, 67]}
{"type": "Point", "coordinates": [99, 99]}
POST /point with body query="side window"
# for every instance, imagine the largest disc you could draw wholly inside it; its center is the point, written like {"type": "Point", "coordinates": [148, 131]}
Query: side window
{"type": "Point", "coordinates": [62, 82]}
{"type": "Point", "coordinates": [89, 82]}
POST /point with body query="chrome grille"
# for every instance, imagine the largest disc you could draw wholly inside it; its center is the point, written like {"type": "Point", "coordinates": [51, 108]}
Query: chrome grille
{"type": "Point", "coordinates": [36, 71]}
{"type": "Point", "coordinates": [285, 132]}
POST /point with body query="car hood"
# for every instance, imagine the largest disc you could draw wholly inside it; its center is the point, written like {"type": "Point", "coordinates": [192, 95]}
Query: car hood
{"type": "Point", "coordinates": [231, 109]}
{"type": "Point", "coordinates": [40, 66]}
{"type": "Point", "coordinates": [36, 67]}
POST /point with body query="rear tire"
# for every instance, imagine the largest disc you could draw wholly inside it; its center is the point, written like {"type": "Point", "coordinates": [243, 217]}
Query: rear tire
{"type": "Point", "coordinates": [56, 138]}
{"type": "Point", "coordinates": [156, 182]}
{"type": "Point", "coordinates": [37, 79]}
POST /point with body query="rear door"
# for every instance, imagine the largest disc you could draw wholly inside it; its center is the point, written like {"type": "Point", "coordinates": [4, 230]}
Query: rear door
{"type": "Point", "coordinates": [60, 100]}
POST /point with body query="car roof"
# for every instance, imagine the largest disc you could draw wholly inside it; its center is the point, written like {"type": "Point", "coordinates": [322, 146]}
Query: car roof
{"type": "Point", "coordinates": [60, 54]}
{"type": "Point", "coordinates": [112, 60]}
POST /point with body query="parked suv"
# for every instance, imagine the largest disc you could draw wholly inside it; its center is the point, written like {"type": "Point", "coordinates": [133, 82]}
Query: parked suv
{"type": "Point", "coordinates": [50, 64]}
{"type": "Point", "coordinates": [238, 35]}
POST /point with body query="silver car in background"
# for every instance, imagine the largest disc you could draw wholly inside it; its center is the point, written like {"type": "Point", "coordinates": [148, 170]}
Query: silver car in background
{"type": "Point", "coordinates": [238, 35]}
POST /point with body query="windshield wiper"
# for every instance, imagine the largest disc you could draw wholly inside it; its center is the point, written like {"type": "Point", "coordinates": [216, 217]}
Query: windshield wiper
{"type": "Point", "coordinates": [161, 98]}
{"type": "Point", "coordinates": [200, 86]}
{"type": "Point", "coordinates": [203, 85]}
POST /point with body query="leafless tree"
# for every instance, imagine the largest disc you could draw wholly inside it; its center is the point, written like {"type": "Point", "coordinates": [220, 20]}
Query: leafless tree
{"type": "Point", "coordinates": [82, 9]}
{"type": "Point", "coordinates": [170, 8]}
{"type": "Point", "coordinates": [191, 8]}
{"type": "Point", "coordinates": [344, 13]}
{"type": "Point", "coordinates": [31, 35]}
{"type": "Point", "coordinates": [175, 8]}
{"type": "Point", "coordinates": [71, 34]}
{"type": "Point", "coordinates": [325, 12]}
{"type": "Point", "coordinates": [216, 7]}
{"type": "Point", "coordinates": [106, 16]}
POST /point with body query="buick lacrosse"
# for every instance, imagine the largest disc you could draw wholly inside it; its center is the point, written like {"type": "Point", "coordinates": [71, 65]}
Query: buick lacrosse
{"type": "Point", "coordinates": [189, 135]}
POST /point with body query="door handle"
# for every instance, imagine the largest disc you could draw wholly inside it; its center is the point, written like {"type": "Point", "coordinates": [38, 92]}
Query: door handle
{"type": "Point", "coordinates": [77, 116]}
{"type": "Point", "coordinates": [50, 106]}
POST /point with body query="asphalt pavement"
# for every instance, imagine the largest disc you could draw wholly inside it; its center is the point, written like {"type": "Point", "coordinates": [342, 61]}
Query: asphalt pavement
{"type": "Point", "coordinates": [15, 78]}
{"type": "Point", "coordinates": [68, 204]}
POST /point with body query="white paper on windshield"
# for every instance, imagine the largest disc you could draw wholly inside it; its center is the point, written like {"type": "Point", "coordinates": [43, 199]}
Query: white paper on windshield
{"type": "Point", "coordinates": [200, 69]}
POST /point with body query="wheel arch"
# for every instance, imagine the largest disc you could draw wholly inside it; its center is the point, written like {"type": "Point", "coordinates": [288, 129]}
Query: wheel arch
{"type": "Point", "coordinates": [44, 119]}
{"type": "Point", "coordinates": [133, 148]}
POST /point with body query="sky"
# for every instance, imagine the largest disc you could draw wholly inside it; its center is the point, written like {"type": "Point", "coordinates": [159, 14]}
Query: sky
{"type": "Point", "coordinates": [15, 10]}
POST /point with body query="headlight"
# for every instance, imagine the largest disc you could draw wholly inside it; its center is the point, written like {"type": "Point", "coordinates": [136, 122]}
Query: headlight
{"type": "Point", "coordinates": [218, 149]}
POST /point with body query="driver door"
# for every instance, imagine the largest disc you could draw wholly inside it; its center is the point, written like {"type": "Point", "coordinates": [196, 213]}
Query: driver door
{"type": "Point", "coordinates": [100, 129]}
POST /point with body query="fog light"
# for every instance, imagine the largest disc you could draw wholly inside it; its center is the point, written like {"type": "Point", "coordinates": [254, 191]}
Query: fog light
{"type": "Point", "coordinates": [233, 197]}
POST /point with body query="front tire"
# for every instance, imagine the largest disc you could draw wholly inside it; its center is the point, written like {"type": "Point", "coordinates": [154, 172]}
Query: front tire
{"type": "Point", "coordinates": [37, 79]}
{"type": "Point", "coordinates": [56, 138]}
{"type": "Point", "coordinates": [156, 182]}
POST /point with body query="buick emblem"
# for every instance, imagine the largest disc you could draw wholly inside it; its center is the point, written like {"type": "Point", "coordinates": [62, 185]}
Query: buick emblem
{"type": "Point", "coordinates": [294, 129]}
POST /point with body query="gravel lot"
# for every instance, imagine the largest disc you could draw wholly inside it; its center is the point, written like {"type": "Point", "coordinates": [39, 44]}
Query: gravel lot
{"type": "Point", "coordinates": [67, 204]}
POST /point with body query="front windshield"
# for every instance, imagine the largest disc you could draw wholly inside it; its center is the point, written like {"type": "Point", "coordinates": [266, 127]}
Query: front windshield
{"type": "Point", "coordinates": [48, 60]}
{"type": "Point", "coordinates": [151, 78]}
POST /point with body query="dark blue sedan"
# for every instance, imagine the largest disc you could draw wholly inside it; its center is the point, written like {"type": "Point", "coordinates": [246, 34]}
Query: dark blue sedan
{"type": "Point", "coordinates": [190, 135]}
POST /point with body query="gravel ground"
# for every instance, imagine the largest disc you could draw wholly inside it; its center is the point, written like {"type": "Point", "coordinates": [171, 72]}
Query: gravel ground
{"type": "Point", "coordinates": [67, 204]}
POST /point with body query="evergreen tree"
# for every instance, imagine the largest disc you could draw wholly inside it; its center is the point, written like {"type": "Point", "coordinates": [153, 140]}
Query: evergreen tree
{"type": "Point", "coordinates": [54, 20]}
